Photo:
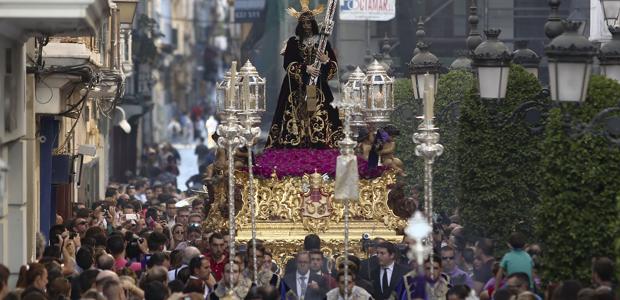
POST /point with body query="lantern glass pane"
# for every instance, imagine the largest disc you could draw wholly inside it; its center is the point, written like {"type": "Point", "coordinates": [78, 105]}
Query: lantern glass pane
{"type": "Point", "coordinates": [389, 98]}
{"type": "Point", "coordinates": [611, 72]}
{"type": "Point", "coordinates": [221, 96]}
{"type": "Point", "coordinates": [417, 84]}
{"type": "Point", "coordinates": [493, 82]}
{"type": "Point", "coordinates": [569, 81]}
{"type": "Point", "coordinates": [611, 8]}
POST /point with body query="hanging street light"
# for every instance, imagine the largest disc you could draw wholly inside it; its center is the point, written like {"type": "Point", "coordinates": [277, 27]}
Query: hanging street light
{"type": "Point", "coordinates": [570, 64]}
{"type": "Point", "coordinates": [492, 61]}
{"type": "Point", "coordinates": [424, 66]}
{"type": "Point", "coordinates": [611, 11]}
{"type": "Point", "coordinates": [127, 9]}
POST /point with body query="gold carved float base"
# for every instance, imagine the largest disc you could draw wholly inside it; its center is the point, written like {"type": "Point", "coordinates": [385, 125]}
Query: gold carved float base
{"type": "Point", "coordinates": [287, 209]}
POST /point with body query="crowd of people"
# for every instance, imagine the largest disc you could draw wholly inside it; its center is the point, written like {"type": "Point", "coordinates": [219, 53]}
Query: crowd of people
{"type": "Point", "coordinates": [147, 240]}
{"type": "Point", "coordinates": [124, 248]}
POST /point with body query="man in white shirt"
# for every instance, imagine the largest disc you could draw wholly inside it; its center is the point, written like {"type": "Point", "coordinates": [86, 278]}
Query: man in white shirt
{"type": "Point", "coordinates": [200, 275]}
{"type": "Point", "coordinates": [354, 292]}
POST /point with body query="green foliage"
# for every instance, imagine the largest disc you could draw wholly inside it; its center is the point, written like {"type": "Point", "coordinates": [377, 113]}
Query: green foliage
{"type": "Point", "coordinates": [453, 88]}
{"type": "Point", "coordinates": [498, 162]}
{"type": "Point", "coordinates": [576, 219]}
{"type": "Point", "coordinates": [618, 238]}
{"type": "Point", "coordinates": [404, 119]}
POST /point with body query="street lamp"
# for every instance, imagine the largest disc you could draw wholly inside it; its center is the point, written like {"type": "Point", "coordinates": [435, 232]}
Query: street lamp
{"type": "Point", "coordinates": [526, 58]}
{"type": "Point", "coordinates": [609, 56]}
{"type": "Point", "coordinates": [123, 124]}
{"type": "Point", "coordinates": [611, 11]}
{"type": "Point", "coordinates": [570, 64]}
{"type": "Point", "coordinates": [378, 88]}
{"type": "Point", "coordinates": [424, 66]}
{"type": "Point", "coordinates": [492, 60]}
{"type": "Point", "coordinates": [127, 10]}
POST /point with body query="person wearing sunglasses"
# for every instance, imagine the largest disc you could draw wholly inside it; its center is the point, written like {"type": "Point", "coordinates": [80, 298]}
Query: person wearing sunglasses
{"type": "Point", "coordinates": [178, 235]}
{"type": "Point", "coordinates": [457, 276]}
{"type": "Point", "coordinates": [79, 226]}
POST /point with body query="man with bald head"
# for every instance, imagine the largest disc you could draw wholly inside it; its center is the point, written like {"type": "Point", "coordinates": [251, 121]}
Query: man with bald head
{"type": "Point", "coordinates": [105, 262]}
{"type": "Point", "coordinates": [188, 253]}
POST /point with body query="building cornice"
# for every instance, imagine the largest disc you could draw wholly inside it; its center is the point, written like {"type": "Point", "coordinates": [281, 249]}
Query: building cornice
{"type": "Point", "coordinates": [51, 17]}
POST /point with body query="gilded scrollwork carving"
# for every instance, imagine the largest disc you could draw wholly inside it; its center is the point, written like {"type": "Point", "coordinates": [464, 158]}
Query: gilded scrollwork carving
{"type": "Point", "coordinates": [282, 200]}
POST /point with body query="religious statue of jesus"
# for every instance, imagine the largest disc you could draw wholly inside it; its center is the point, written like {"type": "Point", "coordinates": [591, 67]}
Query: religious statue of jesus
{"type": "Point", "coordinates": [304, 117]}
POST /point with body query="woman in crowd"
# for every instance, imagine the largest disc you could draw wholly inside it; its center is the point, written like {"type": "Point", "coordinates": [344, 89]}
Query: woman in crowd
{"type": "Point", "coordinates": [178, 235]}
{"type": "Point", "coordinates": [33, 279]}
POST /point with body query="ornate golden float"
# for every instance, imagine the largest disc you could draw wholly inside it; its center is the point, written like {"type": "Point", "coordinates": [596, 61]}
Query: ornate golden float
{"type": "Point", "coordinates": [289, 208]}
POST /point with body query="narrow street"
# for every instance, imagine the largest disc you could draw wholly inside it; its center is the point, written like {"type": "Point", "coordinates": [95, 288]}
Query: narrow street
{"type": "Point", "coordinates": [188, 165]}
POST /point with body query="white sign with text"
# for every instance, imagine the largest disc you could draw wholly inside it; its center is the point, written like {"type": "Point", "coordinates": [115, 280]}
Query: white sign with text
{"type": "Point", "coordinates": [367, 10]}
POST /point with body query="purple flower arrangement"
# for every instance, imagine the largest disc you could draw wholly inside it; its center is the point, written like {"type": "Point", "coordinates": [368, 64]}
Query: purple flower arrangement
{"type": "Point", "coordinates": [297, 162]}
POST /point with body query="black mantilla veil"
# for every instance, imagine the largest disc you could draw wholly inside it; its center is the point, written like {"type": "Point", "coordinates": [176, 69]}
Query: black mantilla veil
{"type": "Point", "coordinates": [298, 122]}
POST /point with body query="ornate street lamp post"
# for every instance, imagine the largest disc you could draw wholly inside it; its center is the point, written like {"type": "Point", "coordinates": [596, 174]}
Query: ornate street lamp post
{"type": "Point", "coordinates": [252, 90]}
{"type": "Point", "coordinates": [424, 69]}
{"type": "Point", "coordinates": [570, 64]}
{"type": "Point", "coordinates": [492, 61]}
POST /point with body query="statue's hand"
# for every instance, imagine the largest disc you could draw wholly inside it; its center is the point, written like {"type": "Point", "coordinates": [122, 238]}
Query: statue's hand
{"type": "Point", "coordinates": [313, 71]}
{"type": "Point", "coordinates": [324, 58]}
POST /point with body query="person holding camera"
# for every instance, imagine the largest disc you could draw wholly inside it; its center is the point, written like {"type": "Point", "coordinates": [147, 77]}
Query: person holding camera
{"type": "Point", "coordinates": [117, 245]}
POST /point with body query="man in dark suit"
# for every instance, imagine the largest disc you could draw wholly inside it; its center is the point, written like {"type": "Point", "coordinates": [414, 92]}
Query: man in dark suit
{"type": "Point", "coordinates": [389, 274]}
{"type": "Point", "coordinates": [371, 262]}
{"type": "Point", "coordinates": [303, 282]}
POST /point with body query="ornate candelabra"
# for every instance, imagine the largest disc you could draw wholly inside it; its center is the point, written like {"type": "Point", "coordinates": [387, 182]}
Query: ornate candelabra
{"type": "Point", "coordinates": [253, 96]}
{"type": "Point", "coordinates": [241, 94]}
{"type": "Point", "coordinates": [347, 176]}
{"type": "Point", "coordinates": [229, 105]}
{"type": "Point", "coordinates": [428, 148]}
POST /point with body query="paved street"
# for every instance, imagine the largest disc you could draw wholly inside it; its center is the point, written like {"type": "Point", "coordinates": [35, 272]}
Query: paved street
{"type": "Point", "coordinates": [188, 166]}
